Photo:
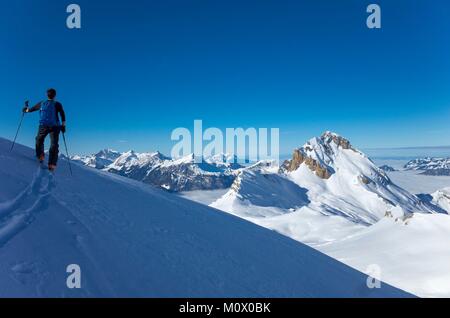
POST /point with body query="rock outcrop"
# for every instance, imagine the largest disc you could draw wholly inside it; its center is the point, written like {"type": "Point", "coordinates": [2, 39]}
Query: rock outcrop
{"type": "Point", "coordinates": [308, 155]}
{"type": "Point", "coordinates": [363, 179]}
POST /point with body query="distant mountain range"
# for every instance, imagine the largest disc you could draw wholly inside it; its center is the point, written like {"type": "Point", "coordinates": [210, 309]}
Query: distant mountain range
{"type": "Point", "coordinates": [182, 174]}
{"type": "Point", "coordinates": [219, 171]}
{"type": "Point", "coordinates": [430, 166]}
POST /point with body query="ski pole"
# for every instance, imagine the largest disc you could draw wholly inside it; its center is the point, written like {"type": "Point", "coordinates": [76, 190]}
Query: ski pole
{"type": "Point", "coordinates": [67, 152]}
{"type": "Point", "coordinates": [18, 128]}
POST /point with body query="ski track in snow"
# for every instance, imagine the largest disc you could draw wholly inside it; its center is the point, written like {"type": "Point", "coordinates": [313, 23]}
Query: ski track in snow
{"type": "Point", "coordinates": [18, 213]}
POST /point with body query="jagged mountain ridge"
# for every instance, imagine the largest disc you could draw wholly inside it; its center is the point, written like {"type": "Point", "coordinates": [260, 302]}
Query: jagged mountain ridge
{"type": "Point", "coordinates": [430, 166]}
{"type": "Point", "coordinates": [182, 174]}
{"type": "Point", "coordinates": [99, 160]}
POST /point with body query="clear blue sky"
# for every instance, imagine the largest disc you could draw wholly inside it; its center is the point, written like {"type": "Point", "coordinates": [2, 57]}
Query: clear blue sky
{"type": "Point", "coordinates": [138, 69]}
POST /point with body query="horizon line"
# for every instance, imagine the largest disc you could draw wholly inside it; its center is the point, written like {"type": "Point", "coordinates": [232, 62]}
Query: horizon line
{"type": "Point", "coordinates": [408, 147]}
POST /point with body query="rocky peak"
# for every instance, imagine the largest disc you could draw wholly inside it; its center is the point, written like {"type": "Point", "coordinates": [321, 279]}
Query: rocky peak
{"type": "Point", "coordinates": [108, 154]}
{"type": "Point", "coordinates": [340, 141]}
{"type": "Point", "coordinates": [159, 155]}
{"type": "Point", "coordinates": [317, 154]}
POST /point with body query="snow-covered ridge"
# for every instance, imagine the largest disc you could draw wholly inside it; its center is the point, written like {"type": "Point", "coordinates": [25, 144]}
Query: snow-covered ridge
{"type": "Point", "coordinates": [99, 160]}
{"type": "Point", "coordinates": [430, 166]}
{"type": "Point", "coordinates": [261, 186]}
{"type": "Point", "coordinates": [181, 174]}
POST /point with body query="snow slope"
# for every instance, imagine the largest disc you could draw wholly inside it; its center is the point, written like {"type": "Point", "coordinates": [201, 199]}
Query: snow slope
{"type": "Point", "coordinates": [134, 240]}
{"type": "Point", "coordinates": [442, 198]}
{"type": "Point", "coordinates": [412, 254]}
{"type": "Point", "coordinates": [258, 186]}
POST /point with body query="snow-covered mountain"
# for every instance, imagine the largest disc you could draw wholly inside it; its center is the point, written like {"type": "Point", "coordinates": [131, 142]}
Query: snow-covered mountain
{"type": "Point", "coordinates": [131, 240]}
{"type": "Point", "coordinates": [335, 179]}
{"type": "Point", "coordinates": [99, 160]}
{"type": "Point", "coordinates": [332, 196]}
{"type": "Point", "coordinates": [182, 174]}
{"type": "Point", "coordinates": [430, 166]}
{"type": "Point", "coordinates": [261, 186]}
{"type": "Point", "coordinates": [224, 160]}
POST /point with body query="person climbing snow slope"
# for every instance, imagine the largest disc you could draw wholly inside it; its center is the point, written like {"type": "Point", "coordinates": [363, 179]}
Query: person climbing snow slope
{"type": "Point", "coordinates": [52, 121]}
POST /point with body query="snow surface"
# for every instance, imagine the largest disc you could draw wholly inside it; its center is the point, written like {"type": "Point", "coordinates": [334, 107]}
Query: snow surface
{"type": "Point", "coordinates": [131, 239]}
{"type": "Point", "coordinates": [205, 197]}
{"type": "Point", "coordinates": [271, 192]}
{"type": "Point", "coordinates": [412, 254]}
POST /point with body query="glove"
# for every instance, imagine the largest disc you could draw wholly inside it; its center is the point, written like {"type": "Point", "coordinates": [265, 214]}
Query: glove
{"type": "Point", "coordinates": [63, 129]}
{"type": "Point", "coordinates": [25, 110]}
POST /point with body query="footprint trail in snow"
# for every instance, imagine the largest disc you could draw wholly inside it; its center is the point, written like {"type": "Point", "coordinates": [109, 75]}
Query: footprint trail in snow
{"type": "Point", "coordinates": [17, 213]}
